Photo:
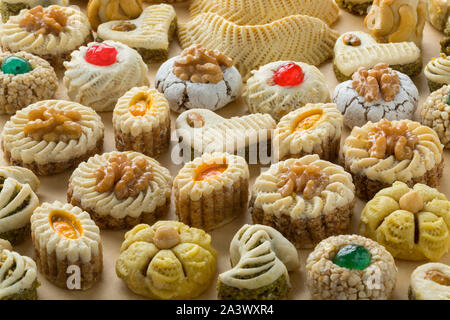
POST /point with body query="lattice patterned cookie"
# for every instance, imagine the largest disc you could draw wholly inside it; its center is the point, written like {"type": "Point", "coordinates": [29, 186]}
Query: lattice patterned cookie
{"type": "Point", "coordinates": [65, 236]}
{"type": "Point", "coordinates": [51, 136]}
{"type": "Point", "coordinates": [359, 7]}
{"type": "Point", "coordinates": [438, 13]}
{"type": "Point", "coordinates": [357, 49]}
{"type": "Point", "coordinates": [100, 73]}
{"type": "Point", "coordinates": [411, 223]}
{"type": "Point", "coordinates": [260, 258]}
{"type": "Point", "coordinates": [315, 128]}
{"type": "Point", "coordinates": [99, 11]}
{"type": "Point", "coordinates": [203, 131]}
{"type": "Point", "coordinates": [211, 190]}
{"type": "Point", "coordinates": [17, 202]}
{"type": "Point", "coordinates": [51, 33]}
{"type": "Point", "coordinates": [437, 72]}
{"type": "Point", "coordinates": [150, 33]}
{"type": "Point", "coordinates": [297, 37]}
{"type": "Point", "coordinates": [254, 12]}
{"type": "Point", "coordinates": [168, 260]}
{"type": "Point", "coordinates": [279, 87]}
{"type": "Point", "coordinates": [436, 114]}
{"type": "Point", "coordinates": [306, 199]}
{"type": "Point", "coordinates": [13, 7]}
{"type": "Point", "coordinates": [430, 281]}
{"type": "Point", "coordinates": [378, 154]}
{"type": "Point", "coordinates": [18, 276]}
{"type": "Point", "coordinates": [22, 175]}
{"type": "Point", "coordinates": [141, 122]}
{"type": "Point", "coordinates": [121, 189]}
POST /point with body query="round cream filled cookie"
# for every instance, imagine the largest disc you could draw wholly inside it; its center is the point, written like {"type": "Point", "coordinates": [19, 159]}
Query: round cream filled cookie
{"type": "Point", "coordinates": [51, 136]}
{"type": "Point", "coordinates": [121, 189]}
{"type": "Point", "coordinates": [100, 73]}
{"type": "Point", "coordinates": [306, 199]}
{"type": "Point", "coordinates": [430, 281]}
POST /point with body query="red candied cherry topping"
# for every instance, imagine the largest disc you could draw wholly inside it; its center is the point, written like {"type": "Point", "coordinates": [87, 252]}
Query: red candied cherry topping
{"type": "Point", "coordinates": [101, 54]}
{"type": "Point", "coordinates": [288, 75]}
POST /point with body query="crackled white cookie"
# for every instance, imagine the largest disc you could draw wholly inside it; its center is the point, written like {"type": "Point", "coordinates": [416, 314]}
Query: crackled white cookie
{"type": "Point", "coordinates": [374, 94]}
{"type": "Point", "coordinates": [260, 258]}
{"type": "Point", "coordinates": [314, 128]}
{"type": "Point", "coordinates": [65, 236]}
{"type": "Point", "coordinates": [51, 136]}
{"type": "Point", "coordinates": [52, 32]}
{"type": "Point", "coordinates": [121, 189]}
{"type": "Point", "coordinates": [150, 34]}
{"type": "Point", "coordinates": [211, 190]}
{"type": "Point", "coordinates": [100, 73]}
{"type": "Point", "coordinates": [437, 72]}
{"type": "Point", "coordinates": [430, 281]}
{"type": "Point", "coordinates": [306, 199]}
{"type": "Point", "coordinates": [357, 49]}
{"type": "Point", "coordinates": [279, 87]}
{"type": "Point", "coordinates": [436, 114]}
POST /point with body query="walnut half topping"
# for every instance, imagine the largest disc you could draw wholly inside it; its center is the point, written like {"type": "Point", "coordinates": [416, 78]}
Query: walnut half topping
{"type": "Point", "coordinates": [381, 78]}
{"type": "Point", "coordinates": [44, 21]}
{"type": "Point", "coordinates": [351, 39]}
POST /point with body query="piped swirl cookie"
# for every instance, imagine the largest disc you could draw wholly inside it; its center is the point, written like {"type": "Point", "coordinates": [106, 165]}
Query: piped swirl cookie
{"type": "Point", "coordinates": [306, 199]}
{"type": "Point", "coordinates": [121, 189]}
{"type": "Point", "coordinates": [65, 236]}
{"type": "Point", "coordinates": [211, 190]}
{"type": "Point", "coordinates": [378, 154]}
{"type": "Point", "coordinates": [437, 72]}
{"type": "Point", "coordinates": [430, 281]}
{"type": "Point", "coordinates": [436, 114]}
{"type": "Point", "coordinates": [51, 136]}
{"type": "Point", "coordinates": [260, 258]}
{"type": "Point", "coordinates": [141, 122]}
{"type": "Point", "coordinates": [314, 128]}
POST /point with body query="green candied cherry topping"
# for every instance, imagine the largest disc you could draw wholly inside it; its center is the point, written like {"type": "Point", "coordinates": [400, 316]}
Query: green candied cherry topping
{"type": "Point", "coordinates": [448, 100]}
{"type": "Point", "coordinates": [15, 65]}
{"type": "Point", "coordinates": [352, 256]}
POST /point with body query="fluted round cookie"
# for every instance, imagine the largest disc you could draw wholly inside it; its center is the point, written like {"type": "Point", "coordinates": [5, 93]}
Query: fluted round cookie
{"type": "Point", "coordinates": [141, 122]}
{"type": "Point", "coordinates": [51, 136]}
{"type": "Point", "coordinates": [411, 223]}
{"type": "Point", "coordinates": [436, 114]}
{"type": "Point", "coordinates": [22, 175]}
{"type": "Point", "coordinates": [100, 73]}
{"type": "Point", "coordinates": [65, 236]}
{"type": "Point", "coordinates": [314, 128]}
{"type": "Point", "coordinates": [17, 202]}
{"type": "Point", "coordinates": [13, 7]}
{"type": "Point", "coordinates": [392, 95]}
{"type": "Point", "coordinates": [121, 189]}
{"type": "Point", "coordinates": [350, 267]}
{"type": "Point", "coordinates": [205, 89]}
{"type": "Point", "coordinates": [306, 199]}
{"type": "Point", "coordinates": [430, 281]}
{"type": "Point", "coordinates": [378, 154]}
{"type": "Point", "coordinates": [211, 190]}
{"type": "Point", "coordinates": [52, 32]}
{"type": "Point", "coordinates": [24, 79]}
{"type": "Point", "coordinates": [260, 258]}
{"type": "Point", "coordinates": [437, 72]}
{"type": "Point", "coordinates": [280, 87]}
{"type": "Point", "coordinates": [18, 276]}
{"type": "Point", "coordinates": [168, 260]}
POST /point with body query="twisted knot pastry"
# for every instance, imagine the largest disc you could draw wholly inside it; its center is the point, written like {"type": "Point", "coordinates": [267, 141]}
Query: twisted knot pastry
{"type": "Point", "coordinates": [99, 11]}
{"type": "Point", "coordinates": [38, 21]}
{"type": "Point", "coordinates": [167, 260]}
{"type": "Point", "coordinates": [260, 258]}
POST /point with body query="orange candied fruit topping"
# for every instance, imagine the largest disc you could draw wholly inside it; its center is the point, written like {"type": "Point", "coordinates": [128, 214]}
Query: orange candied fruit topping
{"type": "Point", "coordinates": [210, 171]}
{"type": "Point", "coordinates": [308, 120]}
{"type": "Point", "coordinates": [140, 104]}
{"type": "Point", "coordinates": [65, 224]}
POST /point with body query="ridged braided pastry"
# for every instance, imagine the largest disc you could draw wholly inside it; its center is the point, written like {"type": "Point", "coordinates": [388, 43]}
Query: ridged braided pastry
{"type": "Point", "coordinates": [260, 258]}
{"type": "Point", "coordinates": [437, 72]}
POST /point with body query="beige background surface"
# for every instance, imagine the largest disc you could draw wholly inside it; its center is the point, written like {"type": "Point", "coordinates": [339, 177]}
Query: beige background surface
{"type": "Point", "coordinates": [111, 287]}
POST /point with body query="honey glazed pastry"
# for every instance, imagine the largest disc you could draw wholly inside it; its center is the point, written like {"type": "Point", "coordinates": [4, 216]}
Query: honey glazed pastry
{"type": "Point", "coordinates": [436, 114]}
{"type": "Point", "coordinates": [430, 281]}
{"type": "Point", "coordinates": [13, 7]}
{"type": "Point", "coordinates": [437, 72]}
{"type": "Point", "coordinates": [99, 11]}
{"type": "Point", "coordinates": [121, 189]}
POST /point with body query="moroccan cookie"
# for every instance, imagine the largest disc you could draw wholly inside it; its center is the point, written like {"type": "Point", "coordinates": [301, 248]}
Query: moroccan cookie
{"type": "Point", "coordinates": [375, 94]}
{"type": "Point", "coordinates": [150, 33]}
{"type": "Point", "coordinates": [51, 33]}
{"type": "Point", "coordinates": [436, 114]}
{"type": "Point", "coordinates": [100, 73]}
{"type": "Point", "coordinates": [378, 154]}
{"type": "Point", "coordinates": [445, 42]}
{"type": "Point", "coordinates": [141, 122]}
{"type": "Point", "coordinates": [121, 189]}
{"type": "Point", "coordinates": [51, 136]}
{"type": "Point", "coordinates": [12, 7]}
{"type": "Point", "coordinates": [357, 49]}
{"type": "Point", "coordinates": [260, 259]}
{"type": "Point", "coordinates": [358, 7]}
{"type": "Point", "coordinates": [203, 131]}
{"type": "Point", "coordinates": [350, 267]}
{"type": "Point", "coordinates": [22, 175]}
{"type": "Point", "coordinates": [65, 236]}
{"type": "Point", "coordinates": [24, 79]}
{"type": "Point", "coordinates": [430, 281]}
{"type": "Point", "coordinates": [438, 13]}
{"type": "Point", "coordinates": [99, 11]}
{"type": "Point", "coordinates": [211, 190]}
{"type": "Point", "coordinates": [168, 260]}
{"type": "Point", "coordinates": [306, 199]}
{"type": "Point", "coordinates": [198, 78]}
{"type": "Point", "coordinates": [315, 128]}
{"type": "Point", "coordinates": [437, 72]}
{"type": "Point", "coordinates": [411, 223]}
{"type": "Point", "coordinates": [279, 87]}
